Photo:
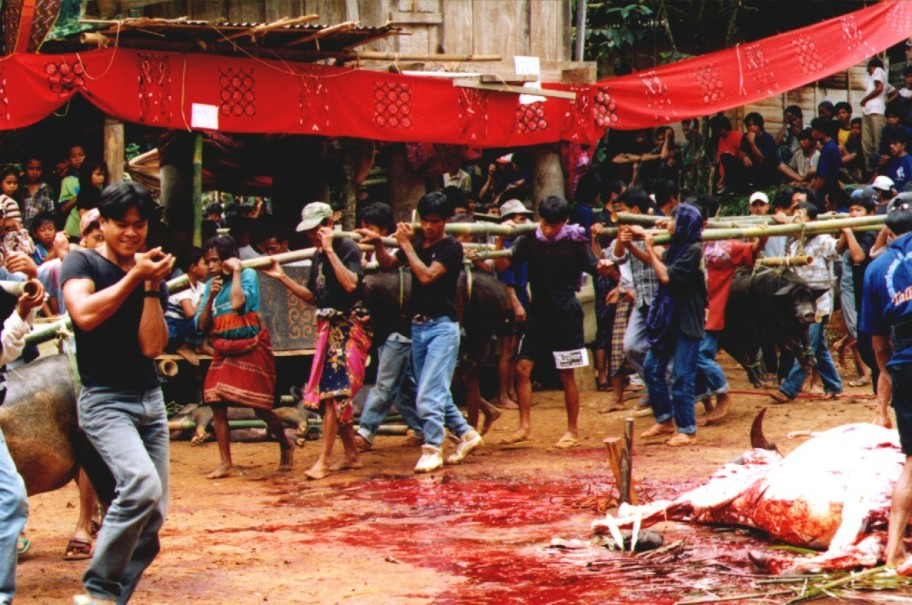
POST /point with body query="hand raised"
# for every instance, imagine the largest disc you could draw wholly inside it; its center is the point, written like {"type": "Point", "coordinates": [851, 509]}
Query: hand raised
{"type": "Point", "coordinates": [154, 265]}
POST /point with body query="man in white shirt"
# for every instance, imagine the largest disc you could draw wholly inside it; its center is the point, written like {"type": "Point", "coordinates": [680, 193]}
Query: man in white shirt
{"type": "Point", "coordinates": [873, 106]}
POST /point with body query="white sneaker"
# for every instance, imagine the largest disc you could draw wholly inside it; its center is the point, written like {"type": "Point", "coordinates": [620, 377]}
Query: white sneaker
{"type": "Point", "coordinates": [467, 443]}
{"type": "Point", "coordinates": [84, 599]}
{"type": "Point", "coordinates": [636, 381]}
{"type": "Point", "coordinates": [431, 459]}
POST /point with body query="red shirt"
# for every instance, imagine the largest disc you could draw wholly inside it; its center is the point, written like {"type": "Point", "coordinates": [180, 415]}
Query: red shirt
{"type": "Point", "coordinates": [722, 258]}
{"type": "Point", "coordinates": [730, 144]}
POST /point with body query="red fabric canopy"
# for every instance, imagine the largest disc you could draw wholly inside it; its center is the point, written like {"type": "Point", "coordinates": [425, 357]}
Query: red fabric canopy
{"type": "Point", "coordinates": [251, 95]}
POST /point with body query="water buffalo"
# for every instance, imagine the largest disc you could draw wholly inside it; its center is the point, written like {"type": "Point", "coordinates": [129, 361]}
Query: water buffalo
{"type": "Point", "coordinates": [38, 419]}
{"type": "Point", "coordinates": [770, 307]}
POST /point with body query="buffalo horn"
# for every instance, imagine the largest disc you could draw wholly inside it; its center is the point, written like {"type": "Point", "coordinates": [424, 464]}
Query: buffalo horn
{"type": "Point", "coordinates": [758, 439]}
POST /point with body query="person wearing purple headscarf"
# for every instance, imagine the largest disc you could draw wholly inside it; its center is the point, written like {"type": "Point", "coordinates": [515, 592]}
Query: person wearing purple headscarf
{"type": "Point", "coordinates": [675, 327]}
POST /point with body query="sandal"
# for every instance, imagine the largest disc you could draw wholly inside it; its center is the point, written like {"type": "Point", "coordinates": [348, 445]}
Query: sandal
{"type": "Point", "coordinates": [362, 444]}
{"type": "Point", "coordinates": [78, 550]}
{"type": "Point", "coordinates": [602, 386]}
{"type": "Point", "coordinates": [22, 545]}
{"type": "Point", "coordinates": [860, 382]}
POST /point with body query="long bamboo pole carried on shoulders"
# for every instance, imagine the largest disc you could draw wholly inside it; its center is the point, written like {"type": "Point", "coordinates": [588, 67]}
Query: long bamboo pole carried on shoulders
{"type": "Point", "coordinates": [861, 223]}
{"type": "Point", "coordinates": [785, 261]}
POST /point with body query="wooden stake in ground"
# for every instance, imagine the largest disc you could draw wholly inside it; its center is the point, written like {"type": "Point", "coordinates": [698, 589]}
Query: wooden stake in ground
{"type": "Point", "coordinates": [626, 464]}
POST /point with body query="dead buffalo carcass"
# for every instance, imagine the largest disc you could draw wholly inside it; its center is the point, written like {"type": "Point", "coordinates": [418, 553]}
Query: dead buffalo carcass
{"type": "Point", "coordinates": [38, 419]}
{"type": "Point", "coordinates": [770, 307]}
{"type": "Point", "coordinates": [832, 492]}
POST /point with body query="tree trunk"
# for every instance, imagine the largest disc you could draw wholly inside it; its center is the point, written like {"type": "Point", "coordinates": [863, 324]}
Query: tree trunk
{"type": "Point", "coordinates": [405, 185]}
{"type": "Point", "coordinates": [176, 162]}
{"type": "Point", "coordinates": [547, 174]}
{"type": "Point", "coordinates": [114, 148]}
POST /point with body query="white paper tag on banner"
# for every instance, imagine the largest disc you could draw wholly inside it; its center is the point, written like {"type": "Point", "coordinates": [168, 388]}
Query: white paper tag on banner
{"type": "Point", "coordinates": [567, 360]}
{"type": "Point", "coordinates": [204, 116]}
{"type": "Point", "coordinates": [529, 66]}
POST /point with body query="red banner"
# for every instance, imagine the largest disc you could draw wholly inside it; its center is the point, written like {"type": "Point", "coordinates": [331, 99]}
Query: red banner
{"type": "Point", "coordinates": [196, 91]}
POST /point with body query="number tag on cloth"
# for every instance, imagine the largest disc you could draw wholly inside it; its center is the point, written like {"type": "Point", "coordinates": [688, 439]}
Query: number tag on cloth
{"type": "Point", "coordinates": [567, 360]}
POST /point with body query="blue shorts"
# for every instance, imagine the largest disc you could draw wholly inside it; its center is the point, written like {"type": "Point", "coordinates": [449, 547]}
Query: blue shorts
{"type": "Point", "coordinates": [902, 404]}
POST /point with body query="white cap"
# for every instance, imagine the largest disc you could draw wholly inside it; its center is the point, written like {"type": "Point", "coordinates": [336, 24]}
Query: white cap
{"type": "Point", "coordinates": [313, 214]}
{"type": "Point", "coordinates": [759, 196]}
{"type": "Point", "coordinates": [505, 159]}
{"type": "Point", "coordinates": [883, 182]}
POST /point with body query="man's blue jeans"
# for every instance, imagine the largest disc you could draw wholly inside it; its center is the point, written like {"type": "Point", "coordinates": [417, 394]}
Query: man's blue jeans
{"type": "Point", "coordinates": [130, 431]}
{"type": "Point", "coordinates": [678, 403]}
{"type": "Point", "coordinates": [710, 377]}
{"type": "Point", "coordinates": [13, 513]}
{"type": "Point", "coordinates": [832, 383]}
{"type": "Point", "coordinates": [435, 347]}
{"type": "Point", "coordinates": [395, 382]}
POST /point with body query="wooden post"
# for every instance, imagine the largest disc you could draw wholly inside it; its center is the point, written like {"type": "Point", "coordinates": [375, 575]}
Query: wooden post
{"type": "Point", "coordinates": [405, 185]}
{"type": "Point", "coordinates": [114, 148]}
{"type": "Point", "coordinates": [547, 175]}
{"type": "Point", "coordinates": [348, 149]}
{"type": "Point", "coordinates": [626, 465]}
{"type": "Point", "coordinates": [613, 449]}
{"type": "Point", "coordinates": [198, 189]}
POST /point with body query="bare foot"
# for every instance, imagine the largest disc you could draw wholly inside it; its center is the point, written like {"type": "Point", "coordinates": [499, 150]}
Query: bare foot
{"type": "Point", "coordinates": [286, 461]}
{"type": "Point", "coordinates": [779, 397]}
{"type": "Point", "coordinates": [226, 470]}
{"type": "Point", "coordinates": [659, 429]}
{"type": "Point", "coordinates": [490, 419]}
{"type": "Point", "coordinates": [723, 406]}
{"type": "Point", "coordinates": [317, 471]}
{"type": "Point", "coordinates": [708, 406]}
{"type": "Point", "coordinates": [346, 464]}
{"type": "Point", "coordinates": [681, 439]}
{"type": "Point", "coordinates": [505, 403]}
{"type": "Point", "coordinates": [612, 407]}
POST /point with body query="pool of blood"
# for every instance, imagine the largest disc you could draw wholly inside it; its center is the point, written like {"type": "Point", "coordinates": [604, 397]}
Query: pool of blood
{"type": "Point", "coordinates": [494, 534]}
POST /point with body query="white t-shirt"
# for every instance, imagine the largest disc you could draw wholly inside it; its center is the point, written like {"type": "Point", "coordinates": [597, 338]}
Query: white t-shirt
{"type": "Point", "coordinates": [876, 105]}
{"type": "Point", "coordinates": [193, 294]}
{"type": "Point", "coordinates": [802, 163]}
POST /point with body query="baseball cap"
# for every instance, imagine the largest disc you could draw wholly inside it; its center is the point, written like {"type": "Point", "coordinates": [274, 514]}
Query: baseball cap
{"type": "Point", "coordinates": [511, 207]}
{"type": "Point", "coordinates": [759, 196]}
{"type": "Point", "coordinates": [884, 183]}
{"type": "Point", "coordinates": [313, 214]}
{"type": "Point", "coordinates": [505, 159]}
{"type": "Point", "coordinates": [87, 219]}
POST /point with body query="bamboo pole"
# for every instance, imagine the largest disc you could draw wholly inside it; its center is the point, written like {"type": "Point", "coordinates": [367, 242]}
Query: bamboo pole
{"type": "Point", "coordinates": [631, 218]}
{"type": "Point", "coordinates": [862, 223]}
{"type": "Point", "coordinates": [198, 189]}
{"type": "Point", "coordinates": [785, 261]}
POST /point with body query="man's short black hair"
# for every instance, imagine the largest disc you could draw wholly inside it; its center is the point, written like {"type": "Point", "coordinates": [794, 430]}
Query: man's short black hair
{"type": "Point", "coordinates": [224, 245]}
{"type": "Point", "coordinates": [706, 204]}
{"type": "Point", "coordinates": [190, 258]}
{"type": "Point", "coordinates": [435, 202]}
{"type": "Point", "coordinates": [827, 105]}
{"type": "Point", "coordinates": [554, 209]}
{"type": "Point", "coordinates": [898, 135]}
{"type": "Point", "coordinates": [843, 105]}
{"type": "Point", "coordinates": [588, 189]}
{"type": "Point", "coordinates": [795, 110]}
{"type": "Point", "coordinates": [214, 208]}
{"type": "Point", "coordinates": [894, 109]}
{"type": "Point", "coordinates": [899, 214]}
{"type": "Point", "coordinates": [805, 135]}
{"type": "Point", "coordinates": [119, 197]}
{"type": "Point", "coordinates": [380, 215]}
{"type": "Point", "coordinates": [456, 195]}
{"type": "Point", "coordinates": [827, 127]}
{"type": "Point", "coordinates": [856, 121]}
{"type": "Point", "coordinates": [753, 118]}
{"type": "Point", "coordinates": [809, 208]}
{"type": "Point", "coordinates": [723, 122]}
{"type": "Point", "coordinates": [867, 199]}
{"type": "Point", "coordinates": [665, 190]}
{"type": "Point", "coordinates": [875, 62]}
{"type": "Point", "coordinates": [783, 199]}
{"type": "Point", "coordinates": [612, 188]}
{"type": "Point", "coordinates": [635, 197]}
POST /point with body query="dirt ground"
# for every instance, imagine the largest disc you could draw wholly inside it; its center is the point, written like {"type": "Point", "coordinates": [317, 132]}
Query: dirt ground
{"type": "Point", "coordinates": [475, 533]}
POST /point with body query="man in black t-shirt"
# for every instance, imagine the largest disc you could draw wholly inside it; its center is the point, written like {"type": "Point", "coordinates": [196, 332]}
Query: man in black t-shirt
{"type": "Point", "coordinates": [115, 296]}
{"type": "Point", "coordinates": [556, 256]}
{"type": "Point", "coordinates": [436, 260]}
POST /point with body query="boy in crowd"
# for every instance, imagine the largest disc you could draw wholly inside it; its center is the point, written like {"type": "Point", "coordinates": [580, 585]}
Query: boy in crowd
{"type": "Point", "coordinates": [183, 337]}
{"type": "Point", "coordinates": [556, 254]}
{"type": "Point", "coordinates": [899, 169]}
{"type": "Point", "coordinates": [395, 377]}
{"type": "Point", "coordinates": [803, 164]}
{"type": "Point", "coordinates": [436, 260]}
{"type": "Point", "coordinates": [818, 275]}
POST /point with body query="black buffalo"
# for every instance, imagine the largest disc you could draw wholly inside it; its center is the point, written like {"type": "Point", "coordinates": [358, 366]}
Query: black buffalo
{"type": "Point", "coordinates": [768, 308]}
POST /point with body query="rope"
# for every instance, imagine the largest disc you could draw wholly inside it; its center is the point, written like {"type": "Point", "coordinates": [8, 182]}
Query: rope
{"type": "Point", "coordinates": [113, 55]}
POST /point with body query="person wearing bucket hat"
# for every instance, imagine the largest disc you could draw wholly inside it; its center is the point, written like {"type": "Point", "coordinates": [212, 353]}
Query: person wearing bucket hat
{"type": "Point", "coordinates": [343, 339]}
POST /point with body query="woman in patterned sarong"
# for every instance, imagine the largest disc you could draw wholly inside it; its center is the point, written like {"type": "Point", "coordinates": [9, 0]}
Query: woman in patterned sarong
{"type": "Point", "coordinates": [243, 367]}
{"type": "Point", "coordinates": [343, 333]}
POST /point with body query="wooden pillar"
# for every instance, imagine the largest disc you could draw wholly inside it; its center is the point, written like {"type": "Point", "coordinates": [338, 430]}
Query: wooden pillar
{"type": "Point", "coordinates": [198, 189]}
{"type": "Point", "coordinates": [348, 151]}
{"type": "Point", "coordinates": [176, 170]}
{"type": "Point", "coordinates": [114, 148]}
{"type": "Point", "coordinates": [405, 185]}
{"type": "Point", "coordinates": [547, 175]}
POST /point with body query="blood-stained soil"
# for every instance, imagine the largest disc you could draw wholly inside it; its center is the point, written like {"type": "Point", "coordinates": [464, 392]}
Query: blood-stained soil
{"type": "Point", "coordinates": [475, 533]}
